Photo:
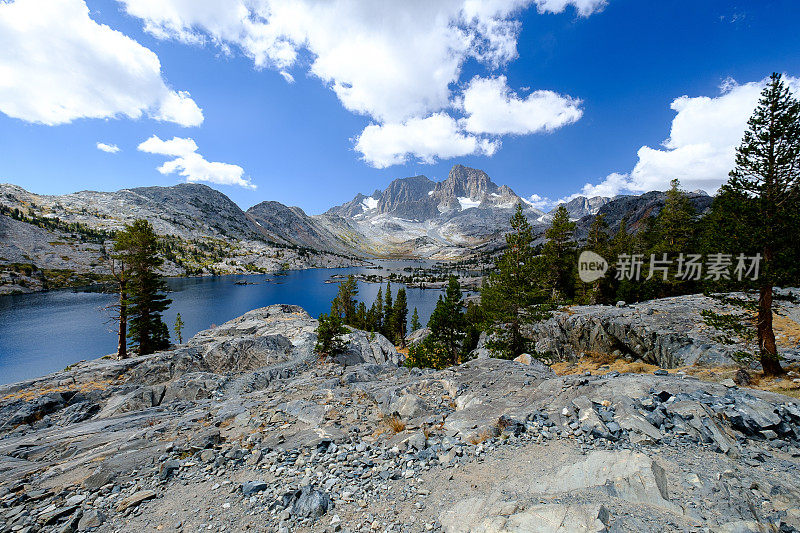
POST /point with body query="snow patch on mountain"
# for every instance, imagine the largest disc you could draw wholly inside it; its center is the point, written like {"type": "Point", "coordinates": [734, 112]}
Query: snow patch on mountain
{"type": "Point", "coordinates": [467, 203]}
{"type": "Point", "coordinates": [369, 203]}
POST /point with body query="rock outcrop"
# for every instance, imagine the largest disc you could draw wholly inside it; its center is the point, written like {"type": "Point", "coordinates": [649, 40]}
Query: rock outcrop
{"type": "Point", "coordinates": [667, 332]}
{"type": "Point", "coordinates": [245, 428]}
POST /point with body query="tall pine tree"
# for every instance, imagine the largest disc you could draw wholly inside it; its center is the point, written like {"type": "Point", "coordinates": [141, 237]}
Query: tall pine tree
{"type": "Point", "coordinates": [415, 324]}
{"type": "Point", "coordinates": [598, 242]}
{"type": "Point", "coordinates": [400, 316]}
{"type": "Point", "coordinates": [121, 279]}
{"type": "Point", "coordinates": [510, 294]}
{"type": "Point", "coordinates": [447, 322]}
{"type": "Point", "coordinates": [768, 170]}
{"type": "Point", "coordinates": [674, 225]}
{"type": "Point", "coordinates": [137, 247]}
{"type": "Point", "coordinates": [559, 255]}
{"type": "Point", "coordinates": [388, 313]}
{"type": "Point", "coordinates": [344, 304]}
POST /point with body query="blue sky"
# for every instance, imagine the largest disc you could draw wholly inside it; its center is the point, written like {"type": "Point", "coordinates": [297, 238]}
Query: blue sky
{"type": "Point", "coordinates": [614, 73]}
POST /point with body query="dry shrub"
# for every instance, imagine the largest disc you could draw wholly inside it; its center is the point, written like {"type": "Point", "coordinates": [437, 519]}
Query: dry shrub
{"type": "Point", "coordinates": [484, 435]}
{"type": "Point", "coordinates": [601, 358]}
{"type": "Point", "coordinates": [395, 424]}
{"type": "Point", "coordinates": [639, 368]}
{"type": "Point", "coordinates": [28, 395]}
{"type": "Point", "coordinates": [787, 331]}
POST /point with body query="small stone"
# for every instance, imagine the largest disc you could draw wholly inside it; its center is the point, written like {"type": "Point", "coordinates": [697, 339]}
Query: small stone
{"type": "Point", "coordinates": [135, 499]}
{"type": "Point", "coordinates": [252, 487]}
{"type": "Point", "coordinates": [742, 377]}
{"type": "Point", "coordinates": [417, 441]}
{"type": "Point", "coordinates": [167, 468]}
{"type": "Point", "coordinates": [91, 518]}
{"type": "Point", "coordinates": [76, 499]}
{"type": "Point", "coordinates": [207, 456]}
{"type": "Point", "coordinates": [524, 358]}
{"type": "Point", "coordinates": [254, 458]}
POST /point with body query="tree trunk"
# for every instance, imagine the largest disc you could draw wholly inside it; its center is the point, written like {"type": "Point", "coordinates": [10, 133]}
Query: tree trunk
{"type": "Point", "coordinates": [122, 346]}
{"type": "Point", "coordinates": [766, 336]}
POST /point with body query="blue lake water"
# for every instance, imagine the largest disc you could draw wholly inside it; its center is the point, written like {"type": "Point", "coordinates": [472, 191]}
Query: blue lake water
{"type": "Point", "coordinates": [44, 332]}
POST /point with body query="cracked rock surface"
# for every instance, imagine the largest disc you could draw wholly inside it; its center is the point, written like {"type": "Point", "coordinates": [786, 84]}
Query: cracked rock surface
{"type": "Point", "coordinates": [244, 428]}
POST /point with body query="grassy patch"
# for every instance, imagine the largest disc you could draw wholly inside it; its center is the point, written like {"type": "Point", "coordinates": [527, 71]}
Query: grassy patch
{"type": "Point", "coordinates": [389, 424]}
{"type": "Point", "coordinates": [597, 366]}
{"type": "Point", "coordinates": [28, 395]}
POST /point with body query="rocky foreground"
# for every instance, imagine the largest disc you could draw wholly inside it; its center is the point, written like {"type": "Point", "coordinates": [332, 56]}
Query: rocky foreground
{"type": "Point", "coordinates": [244, 429]}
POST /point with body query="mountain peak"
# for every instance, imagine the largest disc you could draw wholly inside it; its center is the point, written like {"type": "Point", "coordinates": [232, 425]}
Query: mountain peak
{"type": "Point", "coordinates": [466, 182]}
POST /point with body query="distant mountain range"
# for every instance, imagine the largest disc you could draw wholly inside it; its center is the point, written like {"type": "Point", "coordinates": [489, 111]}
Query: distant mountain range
{"type": "Point", "coordinates": [412, 217]}
{"type": "Point", "coordinates": [467, 211]}
{"type": "Point", "coordinates": [57, 241]}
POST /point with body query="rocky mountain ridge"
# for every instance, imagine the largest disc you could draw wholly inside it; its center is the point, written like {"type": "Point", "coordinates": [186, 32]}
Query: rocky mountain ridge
{"type": "Point", "coordinates": [417, 216]}
{"type": "Point", "coordinates": [420, 199]}
{"type": "Point", "coordinates": [51, 241]}
{"type": "Point", "coordinates": [412, 217]}
{"type": "Point", "coordinates": [467, 212]}
{"type": "Point", "coordinates": [245, 428]}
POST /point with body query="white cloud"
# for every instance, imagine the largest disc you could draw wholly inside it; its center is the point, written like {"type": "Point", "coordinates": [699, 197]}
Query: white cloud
{"type": "Point", "coordinates": [193, 166]}
{"type": "Point", "coordinates": [613, 184]}
{"type": "Point", "coordinates": [178, 107]}
{"type": "Point", "coordinates": [539, 202]}
{"type": "Point", "coordinates": [288, 78]}
{"type": "Point", "coordinates": [58, 65]}
{"type": "Point", "coordinates": [491, 107]}
{"type": "Point", "coordinates": [386, 59]}
{"type": "Point", "coordinates": [389, 60]}
{"type": "Point", "coordinates": [583, 7]}
{"type": "Point", "coordinates": [428, 139]}
{"type": "Point", "coordinates": [701, 147]}
{"type": "Point", "coordinates": [109, 148]}
{"type": "Point", "coordinates": [397, 62]}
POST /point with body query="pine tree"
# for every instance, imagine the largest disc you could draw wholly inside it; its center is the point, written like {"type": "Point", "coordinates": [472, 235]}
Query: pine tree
{"type": "Point", "coordinates": [137, 247]}
{"type": "Point", "coordinates": [121, 279]}
{"type": "Point", "coordinates": [388, 313]}
{"type": "Point", "coordinates": [665, 237]}
{"type": "Point", "coordinates": [372, 319]}
{"type": "Point", "coordinates": [768, 169]}
{"type": "Point", "coordinates": [378, 307]}
{"type": "Point", "coordinates": [597, 241]}
{"type": "Point", "coordinates": [510, 294]}
{"type": "Point", "coordinates": [675, 223]}
{"type": "Point", "coordinates": [474, 321]}
{"type": "Point", "coordinates": [362, 321]}
{"type": "Point", "coordinates": [400, 316]}
{"type": "Point", "coordinates": [329, 335]}
{"type": "Point", "coordinates": [344, 304]}
{"type": "Point", "coordinates": [415, 325]}
{"type": "Point", "coordinates": [447, 322]}
{"type": "Point", "coordinates": [559, 255]}
{"type": "Point", "coordinates": [429, 353]}
{"type": "Point", "coordinates": [178, 327]}
{"type": "Point", "coordinates": [622, 243]}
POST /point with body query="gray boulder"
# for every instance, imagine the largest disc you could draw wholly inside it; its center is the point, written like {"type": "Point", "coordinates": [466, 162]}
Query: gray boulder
{"type": "Point", "coordinates": [307, 502]}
